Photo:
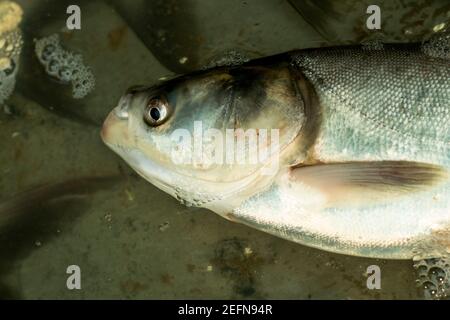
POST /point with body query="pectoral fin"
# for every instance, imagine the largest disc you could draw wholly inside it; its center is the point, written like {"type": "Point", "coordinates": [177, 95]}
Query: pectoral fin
{"type": "Point", "coordinates": [356, 182]}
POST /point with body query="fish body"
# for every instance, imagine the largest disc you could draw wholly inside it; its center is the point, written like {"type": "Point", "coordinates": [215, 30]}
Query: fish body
{"type": "Point", "coordinates": [363, 146]}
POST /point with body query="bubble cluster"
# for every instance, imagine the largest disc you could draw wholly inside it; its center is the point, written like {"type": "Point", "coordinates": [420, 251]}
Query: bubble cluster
{"type": "Point", "coordinates": [438, 46]}
{"type": "Point", "coordinates": [191, 198]}
{"type": "Point", "coordinates": [64, 65]}
{"type": "Point", "coordinates": [10, 47]}
{"type": "Point", "coordinates": [434, 277]}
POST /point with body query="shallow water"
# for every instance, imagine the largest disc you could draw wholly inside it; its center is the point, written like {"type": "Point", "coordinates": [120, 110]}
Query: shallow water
{"type": "Point", "coordinates": [130, 239]}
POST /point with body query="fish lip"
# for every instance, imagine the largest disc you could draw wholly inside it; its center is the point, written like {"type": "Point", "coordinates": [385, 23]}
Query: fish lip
{"type": "Point", "coordinates": [121, 110]}
{"type": "Point", "coordinates": [114, 126]}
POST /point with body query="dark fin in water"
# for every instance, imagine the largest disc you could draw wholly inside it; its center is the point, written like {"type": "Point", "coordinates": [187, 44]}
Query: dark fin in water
{"type": "Point", "coordinates": [36, 215]}
{"type": "Point", "coordinates": [356, 182]}
{"type": "Point", "coordinates": [40, 195]}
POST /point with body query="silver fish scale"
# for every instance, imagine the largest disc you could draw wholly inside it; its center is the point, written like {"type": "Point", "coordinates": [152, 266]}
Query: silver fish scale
{"type": "Point", "coordinates": [381, 104]}
{"type": "Point", "coordinates": [389, 104]}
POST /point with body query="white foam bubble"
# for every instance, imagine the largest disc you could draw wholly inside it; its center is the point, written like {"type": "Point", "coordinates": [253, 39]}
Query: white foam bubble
{"type": "Point", "coordinates": [434, 277]}
{"type": "Point", "coordinates": [64, 65]}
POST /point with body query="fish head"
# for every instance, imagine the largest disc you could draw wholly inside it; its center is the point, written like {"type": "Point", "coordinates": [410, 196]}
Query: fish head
{"type": "Point", "coordinates": [205, 136]}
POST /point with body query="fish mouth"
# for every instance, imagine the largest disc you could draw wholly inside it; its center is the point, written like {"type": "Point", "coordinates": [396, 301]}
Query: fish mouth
{"type": "Point", "coordinates": [115, 135]}
{"type": "Point", "coordinates": [173, 183]}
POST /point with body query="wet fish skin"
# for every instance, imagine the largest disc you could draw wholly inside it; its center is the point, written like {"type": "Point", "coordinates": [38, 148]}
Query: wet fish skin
{"type": "Point", "coordinates": [365, 147]}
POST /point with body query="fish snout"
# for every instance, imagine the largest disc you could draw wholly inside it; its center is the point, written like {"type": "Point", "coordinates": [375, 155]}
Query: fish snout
{"type": "Point", "coordinates": [114, 129]}
{"type": "Point", "coordinates": [115, 126]}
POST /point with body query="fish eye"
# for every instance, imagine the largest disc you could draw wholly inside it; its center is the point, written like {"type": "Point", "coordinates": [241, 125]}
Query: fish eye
{"type": "Point", "coordinates": [156, 112]}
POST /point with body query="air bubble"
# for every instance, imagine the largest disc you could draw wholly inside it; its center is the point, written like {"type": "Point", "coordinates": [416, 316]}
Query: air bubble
{"type": "Point", "coordinates": [11, 68]}
{"type": "Point", "coordinates": [52, 67]}
{"type": "Point", "coordinates": [430, 286]}
{"type": "Point", "coordinates": [437, 275]}
{"type": "Point", "coordinates": [433, 278]}
{"type": "Point", "coordinates": [48, 52]}
{"type": "Point", "coordinates": [422, 269]}
{"type": "Point", "coordinates": [75, 75]}
{"type": "Point", "coordinates": [64, 74]}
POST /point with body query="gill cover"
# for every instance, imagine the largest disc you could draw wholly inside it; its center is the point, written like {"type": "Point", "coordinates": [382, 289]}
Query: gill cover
{"type": "Point", "coordinates": [221, 105]}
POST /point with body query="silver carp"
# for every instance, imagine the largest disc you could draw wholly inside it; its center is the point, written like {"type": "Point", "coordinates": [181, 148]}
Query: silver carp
{"type": "Point", "coordinates": [363, 146]}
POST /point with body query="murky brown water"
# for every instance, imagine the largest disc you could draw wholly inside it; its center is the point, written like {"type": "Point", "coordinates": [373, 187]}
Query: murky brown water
{"type": "Point", "coordinates": [130, 239]}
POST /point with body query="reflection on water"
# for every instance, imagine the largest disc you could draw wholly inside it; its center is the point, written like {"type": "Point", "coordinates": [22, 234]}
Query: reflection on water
{"type": "Point", "coordinates": [53, 159]}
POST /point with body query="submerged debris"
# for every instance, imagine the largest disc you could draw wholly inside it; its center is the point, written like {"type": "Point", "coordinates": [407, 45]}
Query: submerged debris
{"type": "Point", "coordinates": [65, 66]}
{"type": "Point", "coordinates": [10, 47]}
{"type": "Point", "coordinates": [108, 217]}
{"type": "Point", "coordinates": [10, 16]}
{"type": "Point", "coordinates": [236, 260]}
{"type": "Point", "coordinates": [183, 60]}
{"type": "Point", "coordinates": [439, 27]}
{"type": "Point", "coordinates": [164, 226]}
